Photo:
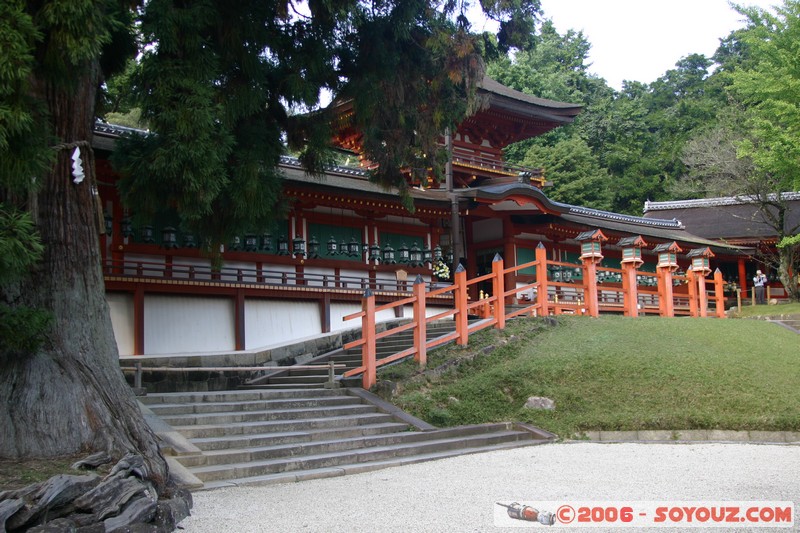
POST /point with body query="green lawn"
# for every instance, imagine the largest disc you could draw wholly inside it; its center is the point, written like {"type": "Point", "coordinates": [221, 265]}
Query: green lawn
{"type": "Point", "coordinates": [615, 373]}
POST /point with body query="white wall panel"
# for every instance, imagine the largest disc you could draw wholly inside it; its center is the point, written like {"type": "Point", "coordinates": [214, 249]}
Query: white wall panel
{"type": "Point", "coordinates": [269, 322]}
{"type": "Point", "coordinates": [120, 307]}
{"type": "Point", "coordinates": [183, 324]}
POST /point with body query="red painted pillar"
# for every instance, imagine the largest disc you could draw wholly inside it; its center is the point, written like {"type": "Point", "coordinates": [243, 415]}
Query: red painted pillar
{"type": "Point", "coordinates": [499, 288]}
{"type": "Point", "coordinates": [701, 292]}
{"type": "Point", "coordinates": [369, 378]}
{"type": "Point", "coordinates": [541, 280]}
{"type": "Point", "coordinates": [590, 286]}
{"type": "Point", "coordinates": [630, 288]}
{"type": "Point", "coordinates": [666, 303]}
{"type": "Point", "coordinates": [693, 298]}
{"type": "Point", "coordinates": [420, 331]}
{"type": "Point", "coordinates": [138, 321]}
{"type": "Point", "coordinates": [719, 293]}
{"type": "Point", "coordinates": [460, 300]}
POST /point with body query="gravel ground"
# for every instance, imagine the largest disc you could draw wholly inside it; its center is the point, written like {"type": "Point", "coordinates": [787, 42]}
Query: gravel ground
{"type": "Point", "coordinates": [459, 494]}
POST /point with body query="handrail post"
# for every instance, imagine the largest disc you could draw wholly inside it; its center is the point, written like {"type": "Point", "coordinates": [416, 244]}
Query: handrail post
{"type": "Point", "coordinates": [719, 294]}
{"type": "Point", "coordinates": [630, 290]}
{"type": "Point", "coordinates": [541, 279]}
{"type": "Point", "coordinates": [331, 383]}
{"type": "Point", "coordinates": [590, 286]}
{"type": "Point", "coordinates": [666, 302]}
{"type": "Point", "coordinates": [701, 290]}
{"type": "Point", "coordinates": [692, 282]}
{"type": "Point", "coordinates": [421, 324]}
{"type": "Point", "coordinates": [498, 286]}
{"type": "Point", "coordinates": [369, 377]}
{"type": "Point", "coordinates": [460, 301]}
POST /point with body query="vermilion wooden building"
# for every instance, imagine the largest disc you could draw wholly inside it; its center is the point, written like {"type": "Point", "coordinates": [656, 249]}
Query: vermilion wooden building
{"type": "Point", "coordinates": [345, 234]}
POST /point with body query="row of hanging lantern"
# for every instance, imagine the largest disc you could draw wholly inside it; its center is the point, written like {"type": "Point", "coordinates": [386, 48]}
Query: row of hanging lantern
{"type": "Point", "coordinates": [298, 247]}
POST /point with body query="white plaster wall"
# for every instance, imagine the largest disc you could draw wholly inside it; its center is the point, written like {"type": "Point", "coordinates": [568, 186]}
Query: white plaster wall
{"type": "Point", "coordinates": [269, 322]}
{"type": "Point", "coordinates": [184, 324]}
{"type": "Point", "coordinates": [120, 307]}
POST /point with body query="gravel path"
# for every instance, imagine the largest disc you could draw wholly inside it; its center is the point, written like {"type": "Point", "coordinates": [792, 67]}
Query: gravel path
{"type": "Point", "coordinates": [459, 494]}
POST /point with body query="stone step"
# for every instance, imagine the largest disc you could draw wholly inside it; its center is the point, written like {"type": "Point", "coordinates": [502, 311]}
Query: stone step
{"type": "Point", "coordinates": [289, 437]}
{"type": "Point", "coordinates": [260, 453]}
{"type": "Point", "coordinates": [291, 380]}
{"type": "Point", "coordinates": [357, 468]}
{"type": "Point", "coordinates": [261, 427]}
{"type": "Point", "coordinates": [377, 453]}
{"type": "Point", "coordinates": [298, 413]}
{"type": "Point", "coordinates": [167, 409]}
{"type": "Point", "coordinates": [234, 395]}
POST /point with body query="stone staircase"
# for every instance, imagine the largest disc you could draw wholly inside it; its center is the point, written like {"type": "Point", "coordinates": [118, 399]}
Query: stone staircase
{"type": "Point", "coordinates": [231, 438]}
{"type": "Point", "coordinates": [288, 377]}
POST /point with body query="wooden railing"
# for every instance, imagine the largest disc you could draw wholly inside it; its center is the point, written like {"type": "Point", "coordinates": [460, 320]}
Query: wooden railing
{"type": "Point", "coordinates": [144, 270]}
{"type": "Point", "coordinates": [674, 295]}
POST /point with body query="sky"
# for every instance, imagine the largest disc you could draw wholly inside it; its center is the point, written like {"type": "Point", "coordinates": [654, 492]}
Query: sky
{"type": "Point", "coordinates": [640, 40]}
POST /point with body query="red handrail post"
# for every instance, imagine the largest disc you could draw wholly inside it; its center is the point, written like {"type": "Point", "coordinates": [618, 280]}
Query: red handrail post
{"type": "Point", "coordinates": [541, 279]}
{"type": "Point", "coordinates": [719, 294]}
{"type": "Point", "coordinates": [369, 378]}
{"type": "Point", "coordinates": [666, 302]}
{"type": "Point", "coordinates": [692, 282]}
{"type": "Point", "coordinates": [630, 289]}
{"type": "Point", "coordinates": [499, 288]}
{"type": "Point", "coordinates": [701, 292]}
{"type": "Point", "coordinates": [590, 286]}
{"type": "Point", "coordinates": [421, 324]}
{"type": "Point", "coordinates": [460, 300]}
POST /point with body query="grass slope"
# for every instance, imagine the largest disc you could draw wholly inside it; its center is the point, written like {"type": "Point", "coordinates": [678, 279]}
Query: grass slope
{"type": "Point", "coordinates": [614, 373]}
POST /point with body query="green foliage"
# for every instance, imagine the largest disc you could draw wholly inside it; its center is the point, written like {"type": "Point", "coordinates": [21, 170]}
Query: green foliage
{"type": "Point", "coordinates": [769, 84]}
{"type": "Point", "coordinates": [717, 374]}
{"type": "Point", "coordinates": [20, 249]}
{"type": "Point", "coordinates": [23, 138]}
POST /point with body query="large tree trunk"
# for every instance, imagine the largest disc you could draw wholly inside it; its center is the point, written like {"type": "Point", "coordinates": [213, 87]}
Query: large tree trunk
{"type": "Point", "coordinates": [71, 397]}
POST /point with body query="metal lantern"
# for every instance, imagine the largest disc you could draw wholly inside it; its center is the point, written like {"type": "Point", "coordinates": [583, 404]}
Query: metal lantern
{"type": "Point", "coordinates": [353, 248]}
{"type": "Point", "coordinates": [427, 255]}
{"type": "Point", "coordinates": [415, 256]}
{"type": "Point", "coordinates": [126, 227]}
{"type": "Point", "coordinates": [668, 255]}
{"type": "Point", "coordinates": [236, 243]}
{"type": "Point", "coordinates": [266, 242]}
{"type": "Point", "coordinates": [450, 256]}
{"type": "Point", "coordinates": [283, 246]}
{"type": "Point", "coordinates": [343, 247]}
{"type": "Point", "coordinates": [374, 252]}
{"type": "Point", "coordinates": [250, 242]}
{"type": "Point", "coordinates": [313, 247]}
{"type": "Point", "coordinates": [188, 241]}
{"type": "Point", "coordinates": [109, 221]}
{"type": "Point", "coordinates": [169, 237]}
{"type": "Point", "coordinates": [632, 250]}
{"type": "Point", "coordinates": [333, 246]}
{"type": "Point", "coordinates": [700, 260]}
{"type": "Point", "coordinates": [298, 246]}
{"type": "Point", "coordinates": [147, 234]}
{"type": "Point", "coordinates": [404, 254]}
{"type": "Point", "coordinates": [388, 255]}
{"type": "Point", "coordinates": [590, 244]}
{"type": "Point", "coordinates": [437, 254]}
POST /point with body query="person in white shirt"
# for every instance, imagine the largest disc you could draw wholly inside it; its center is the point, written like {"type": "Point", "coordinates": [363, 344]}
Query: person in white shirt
{"type": "Point", "coordinates": [760, 284]}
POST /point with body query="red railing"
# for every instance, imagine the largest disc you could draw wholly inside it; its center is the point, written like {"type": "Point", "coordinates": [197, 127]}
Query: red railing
{"type": "Point", "coordinates": [675, 294]}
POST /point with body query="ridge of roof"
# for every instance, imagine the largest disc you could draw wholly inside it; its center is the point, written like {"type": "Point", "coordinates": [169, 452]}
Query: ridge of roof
{"type": "Point", "coordinates": [673, 223]}
{"type": "Point", "coordinates": [713, 202]}
{"type": "Point", "coordinates": [493, 86]}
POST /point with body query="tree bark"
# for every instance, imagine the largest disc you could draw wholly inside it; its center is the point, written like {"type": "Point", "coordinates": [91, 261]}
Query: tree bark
{"type": "Point", "coordinates": [71, 397]}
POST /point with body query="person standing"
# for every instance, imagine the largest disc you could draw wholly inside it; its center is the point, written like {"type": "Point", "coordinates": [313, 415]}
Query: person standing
{"type": "Point", "coordinates": [760, 284]}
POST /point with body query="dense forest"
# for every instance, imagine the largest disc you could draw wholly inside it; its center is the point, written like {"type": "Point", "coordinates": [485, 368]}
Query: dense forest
{"type": "Point", "coordinates": [719, 126]}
